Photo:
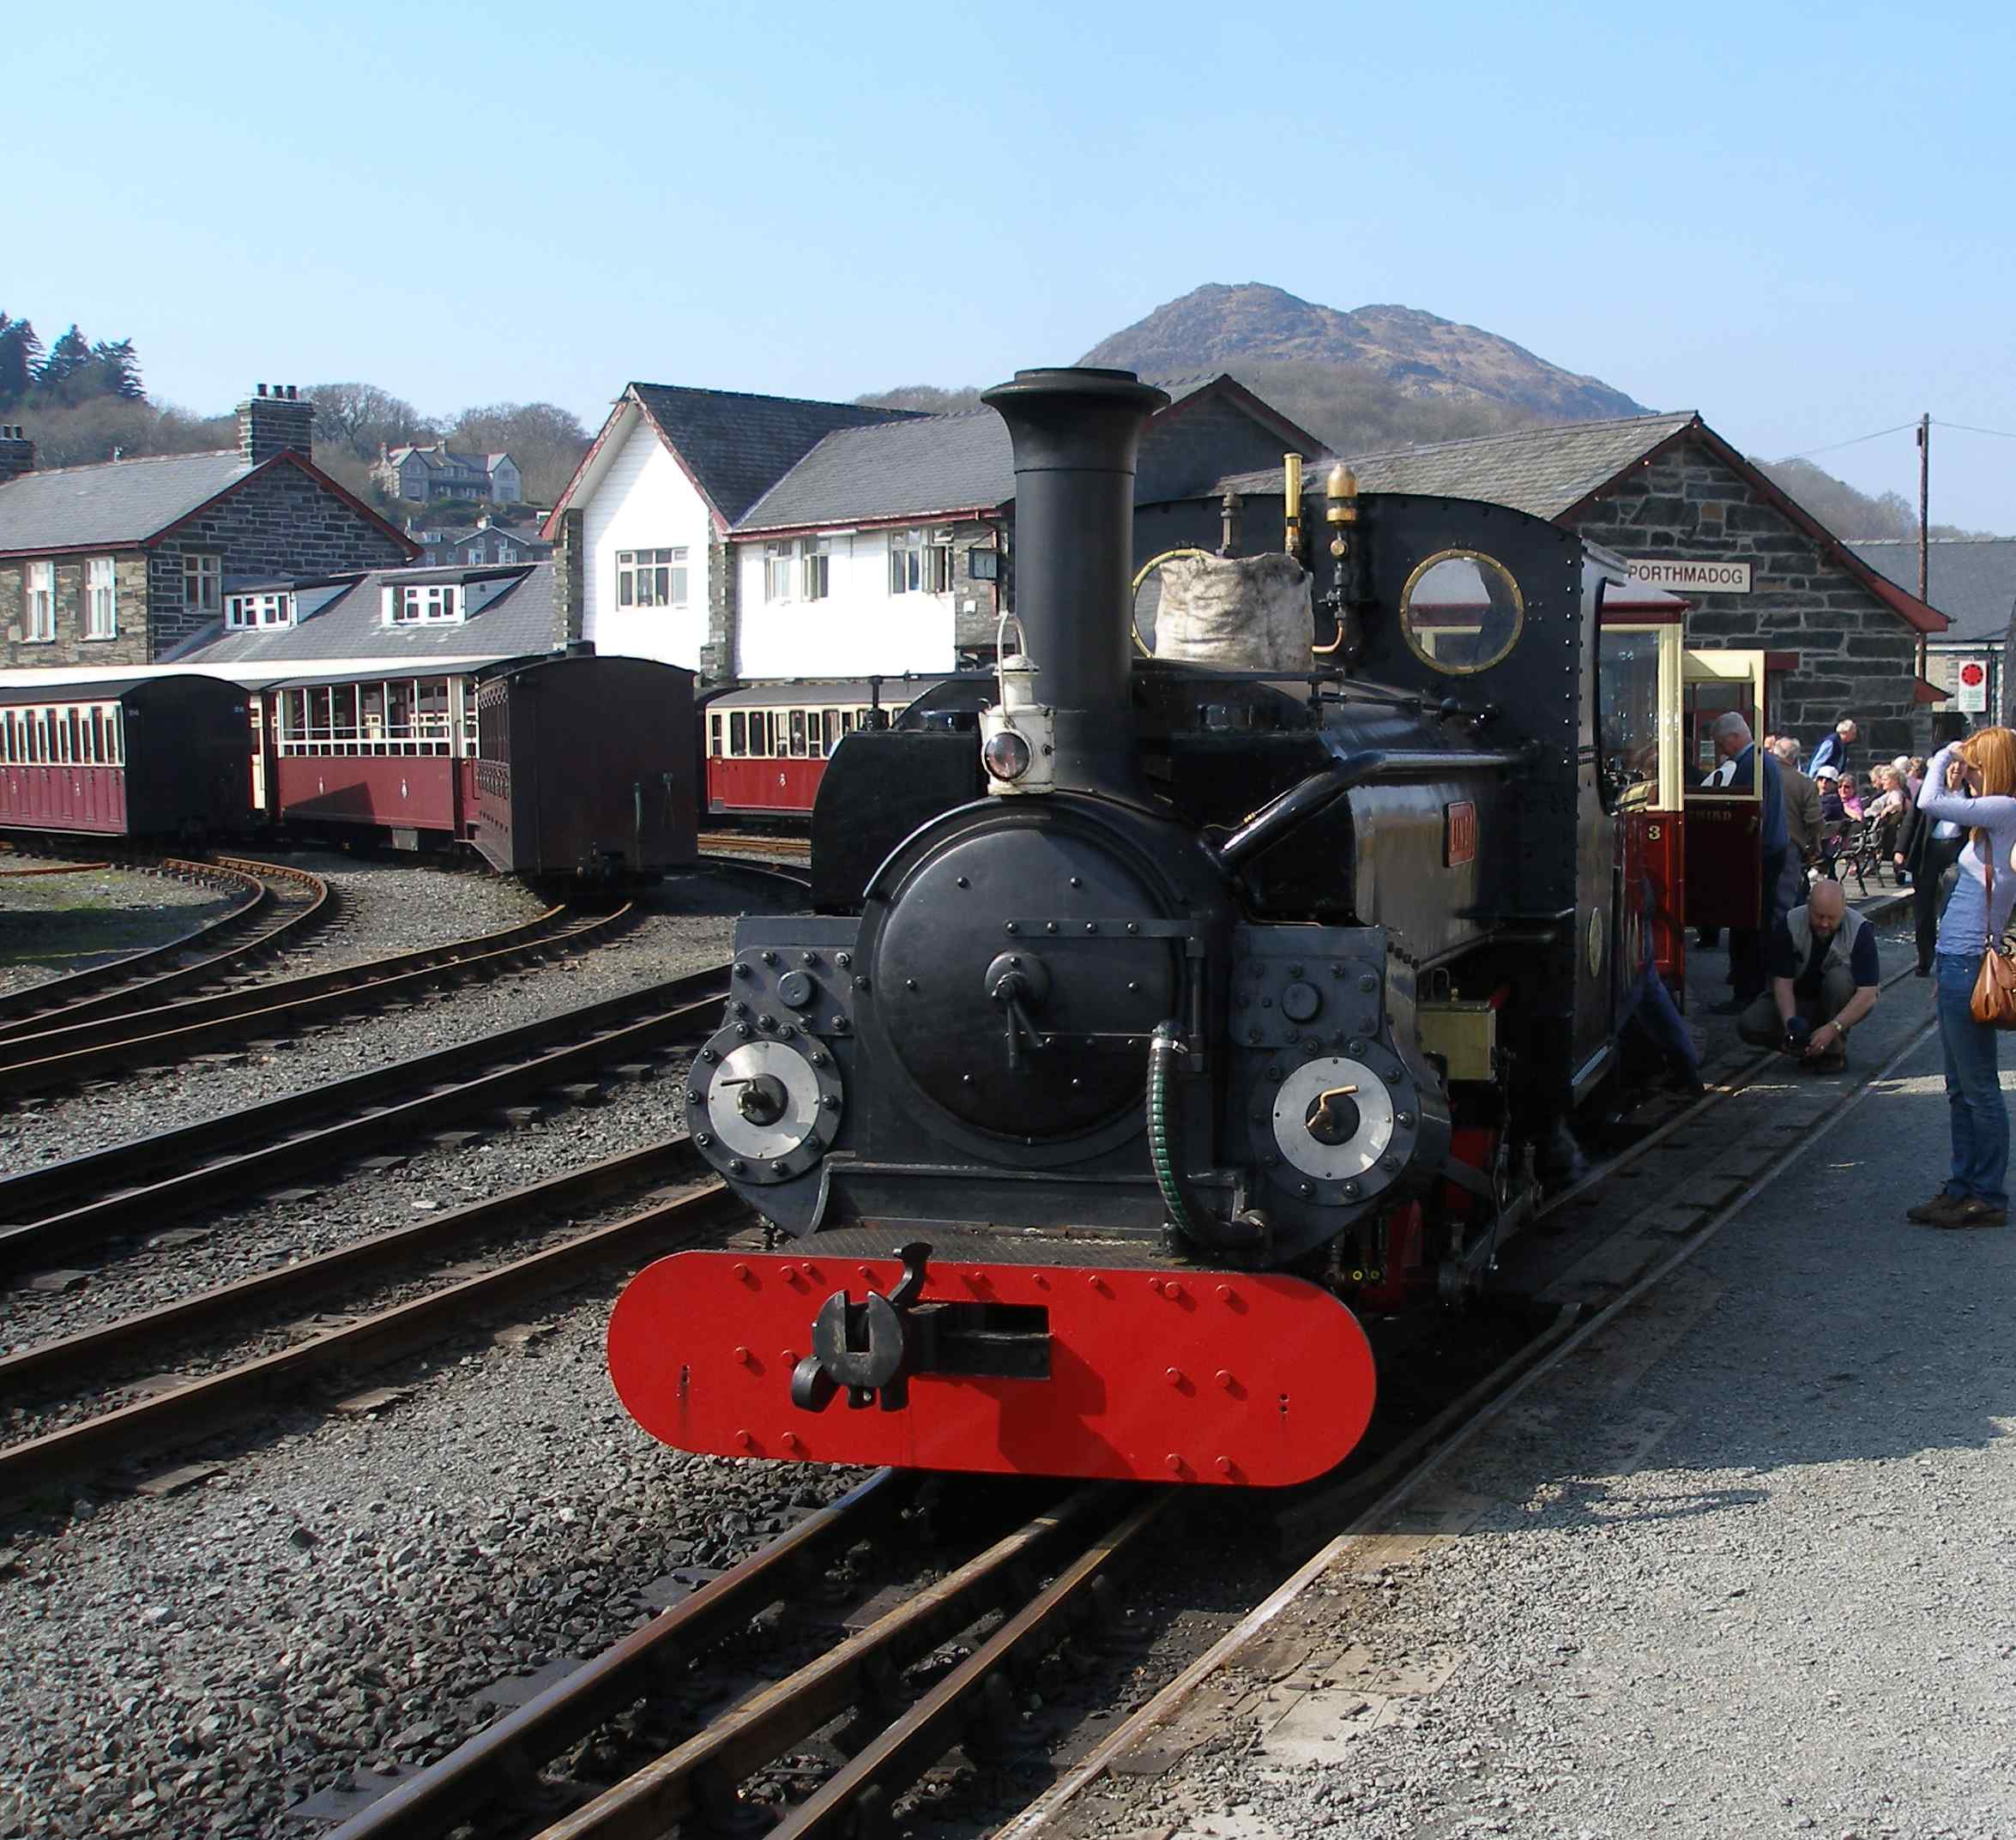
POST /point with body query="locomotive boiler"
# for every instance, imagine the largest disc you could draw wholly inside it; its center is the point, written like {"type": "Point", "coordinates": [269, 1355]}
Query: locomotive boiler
{"type": "Point", "coordinates": [1172, 1025]}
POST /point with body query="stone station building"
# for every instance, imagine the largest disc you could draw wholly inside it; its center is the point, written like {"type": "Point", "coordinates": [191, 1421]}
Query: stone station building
{"type": "Point", "coordinates": [1693, 516]}
{"type": "Point", "coordinates": [119, 562]}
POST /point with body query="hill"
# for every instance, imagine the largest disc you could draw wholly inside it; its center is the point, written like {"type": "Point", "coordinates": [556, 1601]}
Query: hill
{"type": "Point", "coordinates": [1415, 354]}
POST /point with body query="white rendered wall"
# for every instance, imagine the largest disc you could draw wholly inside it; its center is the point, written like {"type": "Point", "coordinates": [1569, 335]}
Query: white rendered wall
{"type": "Point", "coordinates": [859, 627]}
{"type": "Point", "coordinates": [644, 501]}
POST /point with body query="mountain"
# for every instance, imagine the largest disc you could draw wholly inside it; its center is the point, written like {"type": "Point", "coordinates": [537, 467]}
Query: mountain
{"type": "Point", "coordinates": [1412, 353]}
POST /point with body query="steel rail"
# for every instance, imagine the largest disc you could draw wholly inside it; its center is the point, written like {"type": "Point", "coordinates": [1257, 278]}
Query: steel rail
{"type": "Point", "coordinates": [56, 994]}
{"type": "Point", "coordinates": [494, 1764]}
{"type": "Point", "coordinates": [291, 1133]}
{"type": "Point", "coordinates": [870, 1780]}
{"type": "Point", "coordinates": [125, 1337]}
{"type": "Point", "coordinates": [30, 1063]}
{"type": "Point", "coordinates": [196, 1410]}
{"type": "Point", "coordinates": [703, 1772]}
{"type": "Point", "coordinates": [77, 1003]}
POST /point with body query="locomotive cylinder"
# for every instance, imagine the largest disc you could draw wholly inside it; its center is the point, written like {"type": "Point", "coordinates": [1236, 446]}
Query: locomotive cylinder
{"type": "Point", "coordinates": [1077, 433]}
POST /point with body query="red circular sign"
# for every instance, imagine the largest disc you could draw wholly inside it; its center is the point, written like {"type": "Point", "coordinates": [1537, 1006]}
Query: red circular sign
{"type": "Point", "coordinates": [1972, 674]}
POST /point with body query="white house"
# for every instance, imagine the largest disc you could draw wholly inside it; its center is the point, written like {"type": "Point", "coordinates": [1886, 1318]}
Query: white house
{"type": "Point", "coordinates": [751, 537]}
{"type": "Point", "coordinates": [658, 494]}
{"type": "Point", "coordinates": [888, 548]}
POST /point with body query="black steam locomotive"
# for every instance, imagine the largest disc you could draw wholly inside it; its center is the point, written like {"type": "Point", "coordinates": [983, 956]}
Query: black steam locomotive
{"type": "Point", "coordinates": [1167, 1021]}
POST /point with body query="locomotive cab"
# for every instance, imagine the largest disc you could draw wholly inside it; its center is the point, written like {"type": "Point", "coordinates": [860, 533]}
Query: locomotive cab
{"type": "Point", "coordinates": [1230, 1003]}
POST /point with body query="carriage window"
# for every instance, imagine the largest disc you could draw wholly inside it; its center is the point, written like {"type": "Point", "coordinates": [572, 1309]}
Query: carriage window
{"type": "Point", "coordinates": [797, 734]}
{"type": "Point", "coordinates": [1461, 611]}
{"type": "Point", "coordinates": [737, 734]}
{"type": "Point", "coordinates": [815, 734]}
{"type": "Point", "coordinates": [118, 737]}
{"type": "Point", "coordinates": [1628, 718]}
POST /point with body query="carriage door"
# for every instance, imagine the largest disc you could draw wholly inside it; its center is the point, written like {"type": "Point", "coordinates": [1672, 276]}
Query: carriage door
{"type": "Point", "coordinates": [256, 714]}
{"type": "Point", "coordinates": [1641, 729]}
{"type": "Point", "coordinates": [1724, 822]}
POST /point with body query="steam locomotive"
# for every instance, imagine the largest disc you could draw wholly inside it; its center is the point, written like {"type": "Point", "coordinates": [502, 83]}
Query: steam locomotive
{"type": "Point", "coordinates": [1171, 1024]}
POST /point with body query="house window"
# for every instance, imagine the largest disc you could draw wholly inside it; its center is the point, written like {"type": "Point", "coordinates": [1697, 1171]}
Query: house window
{"type": "Point", "coordinates": [202, 583]}
{"type": "Point", "coordinates": [506, 553]}
{"type": "Point", "coordinates": [920, 562]}
{"type": "Point", "coordinates": [475, 552]}
{"type": "Point", "coordinates": [651, 579]}
{"type": "Point", "coordinates": [243, 612]}
{"type": "Point", "coordinates": [41, 600]}
{"type": "Point", "coordinates": [433, 600]}
{"type": "Point", "coordinates": [101, 600]}
{"type": "Point", "coordinates": [777, 559]}
{"type": "Point", "coordinates": [815, 560]}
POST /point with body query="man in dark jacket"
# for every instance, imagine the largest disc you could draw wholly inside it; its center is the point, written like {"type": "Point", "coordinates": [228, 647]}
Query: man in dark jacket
{"type": "Point", "coordinates": [1802, 821]}
{"type": "Point", "coordinates": [1745, 943]}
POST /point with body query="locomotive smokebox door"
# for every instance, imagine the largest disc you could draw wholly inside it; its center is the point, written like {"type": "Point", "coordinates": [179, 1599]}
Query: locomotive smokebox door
{"type": "Point", "coordinates": [1031, 979]}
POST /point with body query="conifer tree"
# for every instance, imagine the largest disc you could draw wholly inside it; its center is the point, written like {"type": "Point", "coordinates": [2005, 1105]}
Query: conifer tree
{"type": "Point", "coordinates": [21, 356]}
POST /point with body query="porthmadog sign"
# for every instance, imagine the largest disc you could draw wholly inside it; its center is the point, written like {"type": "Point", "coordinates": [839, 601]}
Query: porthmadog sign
{"type": "Point", "coordinates": [1690, 578]}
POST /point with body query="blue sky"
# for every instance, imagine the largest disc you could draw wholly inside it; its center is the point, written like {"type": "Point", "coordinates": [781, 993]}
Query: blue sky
{"type": "Point", "coordinates": [1791, 217]}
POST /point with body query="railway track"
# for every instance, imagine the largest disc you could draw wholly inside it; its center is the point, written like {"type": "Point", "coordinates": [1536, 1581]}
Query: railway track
{"type": "Point", "coordinates": [51, 1215]}
{"type": "Point", "coordinates": [280, 908]}
{"type": "Point", "coordinates": [526, 1247]}
{"type": "Point", "coordinates": [729, 842]}
{"type": "Point", "coordinates": [1025, 1592]}
{"type": "Point", "coordinates": [133, 1033]}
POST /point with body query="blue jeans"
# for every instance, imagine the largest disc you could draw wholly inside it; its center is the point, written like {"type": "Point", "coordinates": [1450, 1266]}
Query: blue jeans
{"type": "Point", "coordinates": [1973, 1086]}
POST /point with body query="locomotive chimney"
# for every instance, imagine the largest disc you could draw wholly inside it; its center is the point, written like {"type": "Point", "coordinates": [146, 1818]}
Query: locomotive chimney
{"type": "Point", "coordinates": [1076, 435]}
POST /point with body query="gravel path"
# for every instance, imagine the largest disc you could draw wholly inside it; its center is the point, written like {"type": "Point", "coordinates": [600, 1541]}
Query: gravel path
{"type": "Point", "coordinates": [198, 1664]}
{"type": "Point", "coordinates": [1739, 1567]}
{"type": "Point", "coordinates": [50, 925]}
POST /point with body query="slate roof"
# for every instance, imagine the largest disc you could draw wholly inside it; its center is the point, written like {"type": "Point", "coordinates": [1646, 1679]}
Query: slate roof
{"type": "Point", "coordinates": [896, 469]}
{"type": "Point", "coordinates": [932, 465]}
{"type": "Point", "coordinates": [1543, 471]}
{"type": "Point", "coordinates": [114, 502]}
{"type": "Point", "coordinates": [736, 445]}
{"type": "Point", "coordinates": [1973, 580]}
{"type": "Point", "coordinates": [518, 621]}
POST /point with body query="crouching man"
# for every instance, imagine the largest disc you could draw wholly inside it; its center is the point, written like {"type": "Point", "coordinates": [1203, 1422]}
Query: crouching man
{"type": "Point", "coordinates": [1824, 979]}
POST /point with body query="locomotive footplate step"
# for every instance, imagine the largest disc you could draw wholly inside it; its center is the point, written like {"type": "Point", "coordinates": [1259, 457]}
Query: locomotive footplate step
{"type": "Point", "coordinates": [1122, 1370]}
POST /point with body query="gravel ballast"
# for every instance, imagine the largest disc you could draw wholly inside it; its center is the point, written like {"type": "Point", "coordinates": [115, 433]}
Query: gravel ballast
{"type": "Point", "coordinates": [197, 1664]}
{"type": "Point", "coordinates": [662, 945]}
{"type": "Point", "coordinates": [52, 925]}
{"type": "Point", "coordinates": [1739, 1567]}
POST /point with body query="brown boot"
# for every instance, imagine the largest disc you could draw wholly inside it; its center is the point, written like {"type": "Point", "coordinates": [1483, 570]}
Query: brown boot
{"type": "Point", "coordinates": [1942, 1211]}
{"type": "Point", "coordinates": [1976, 1212]}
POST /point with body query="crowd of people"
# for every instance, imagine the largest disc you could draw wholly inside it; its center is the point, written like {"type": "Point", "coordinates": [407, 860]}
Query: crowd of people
{"type": "Point", "coordinates": [1808, 972]}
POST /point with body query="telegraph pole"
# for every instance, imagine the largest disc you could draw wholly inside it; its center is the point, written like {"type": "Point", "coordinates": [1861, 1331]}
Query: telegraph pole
{"type": "Point", "coordinates": [1924, 524]}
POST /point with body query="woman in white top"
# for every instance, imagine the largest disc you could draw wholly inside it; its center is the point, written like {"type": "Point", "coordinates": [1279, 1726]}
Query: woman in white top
{"type": "Point", "coordinates": [1976, 1193]}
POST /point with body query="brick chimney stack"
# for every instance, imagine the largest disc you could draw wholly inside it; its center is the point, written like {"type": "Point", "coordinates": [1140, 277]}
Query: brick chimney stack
{"type": "Point", "coordinates": [17, 453]}
{"type": "Point", "coordinates": [278, 423]}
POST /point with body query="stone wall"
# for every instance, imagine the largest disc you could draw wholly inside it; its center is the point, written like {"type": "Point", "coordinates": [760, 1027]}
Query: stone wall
{"type": "Point", "coordinates": [1199, 441]}
{"type": "Point", "coordinates": [280, 522]}
{"type": "Point", "coordinates": [977, 608]}
{"type": "Point", "coordinates": [1855, 655]}
{"type": "Point", "coordinates": [569, 579]}
{"type": "Point", "coordinates": [717, 656]}
{"type": "Point", "coordinates": [69, 646]}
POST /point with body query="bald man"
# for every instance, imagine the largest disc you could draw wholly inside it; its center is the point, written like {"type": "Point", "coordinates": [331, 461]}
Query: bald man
{"type": "Point", "coordinates": [1824, 979]}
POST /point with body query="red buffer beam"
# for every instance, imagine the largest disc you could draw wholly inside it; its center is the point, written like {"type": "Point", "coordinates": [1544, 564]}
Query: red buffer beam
{"type": "Point", "coordinates": [1228, 1378]}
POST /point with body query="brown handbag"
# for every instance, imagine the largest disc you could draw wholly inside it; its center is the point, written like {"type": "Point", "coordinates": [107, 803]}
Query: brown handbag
{"type": "Point", "coordinates": [1994, 1001]}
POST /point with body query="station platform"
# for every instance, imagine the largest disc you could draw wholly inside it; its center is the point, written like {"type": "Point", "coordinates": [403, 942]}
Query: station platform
{"type": "Point", "coordinates": [1742, 1563]}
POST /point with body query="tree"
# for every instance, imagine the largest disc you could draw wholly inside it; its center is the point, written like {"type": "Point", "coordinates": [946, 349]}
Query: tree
{"type": "Point", "coordinates": [545, 440]}
{"type": "Point", "coordinates": [361, 418]}
{"type": "Point", "coordinates": [20, 357]}
{"type": "Point", "coordinates": [115, 371]}
{"type": "Point", "coordinates": [65, 375]}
